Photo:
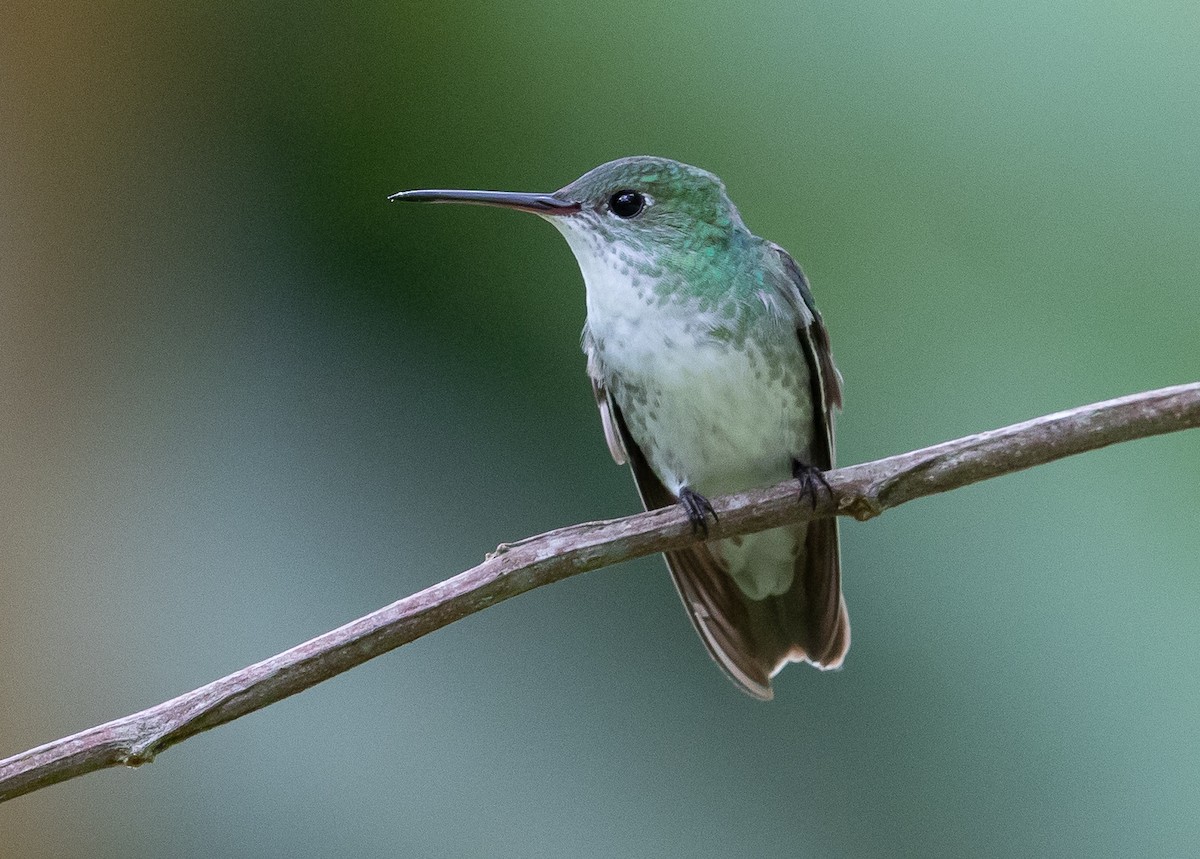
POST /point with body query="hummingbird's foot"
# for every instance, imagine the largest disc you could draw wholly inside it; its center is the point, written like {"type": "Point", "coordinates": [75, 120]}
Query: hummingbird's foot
{"type": "Point", "coordinates": [698, 510]}
{"type": "Point", "coordinates": [811, 478]}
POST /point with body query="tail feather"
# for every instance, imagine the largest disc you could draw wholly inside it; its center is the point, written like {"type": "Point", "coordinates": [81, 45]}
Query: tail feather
{"type": "Point", "coordinates": [751, 640]}
{"type": "Point", "coordinates": [724, 619]}
{"type": "Point", "coordinates": [824, 622]}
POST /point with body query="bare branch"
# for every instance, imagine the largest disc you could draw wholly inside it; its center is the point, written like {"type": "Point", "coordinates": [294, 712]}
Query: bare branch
{"type": "Point", "coordinates": [862, 491]}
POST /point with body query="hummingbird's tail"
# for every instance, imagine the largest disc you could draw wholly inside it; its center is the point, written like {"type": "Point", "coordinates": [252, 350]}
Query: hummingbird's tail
{"type": "Point", "coordinates": [751, 639]}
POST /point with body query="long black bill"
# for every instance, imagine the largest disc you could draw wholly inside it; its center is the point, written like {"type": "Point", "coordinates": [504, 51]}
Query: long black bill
{"type": "Point", "coordinates": [539, 204]}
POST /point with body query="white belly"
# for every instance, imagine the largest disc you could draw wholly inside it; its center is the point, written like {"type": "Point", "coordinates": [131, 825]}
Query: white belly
{"type": "Point", "coordinates": [718, 420]}
{"type": "Point", "coordinates": [707, 414]}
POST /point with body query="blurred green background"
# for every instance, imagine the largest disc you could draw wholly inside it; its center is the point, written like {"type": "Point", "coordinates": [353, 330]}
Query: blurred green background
{"type": "Point", "coordinates": [242, 401]}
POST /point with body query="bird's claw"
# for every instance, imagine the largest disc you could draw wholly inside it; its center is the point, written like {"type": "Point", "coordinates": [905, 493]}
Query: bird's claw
{"type": "Point", "coordinates": [698, 510]}
{"type": "Point", "coordinates": [811, 478]}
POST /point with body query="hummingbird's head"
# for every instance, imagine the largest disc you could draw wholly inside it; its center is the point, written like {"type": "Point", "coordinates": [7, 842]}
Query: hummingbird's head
{"type": "Point", "coordinates": [668, 221]}
{"type": "Point", "coordinates": [656, 209]}
{"type": "Point", "coordinates": [650, 203]}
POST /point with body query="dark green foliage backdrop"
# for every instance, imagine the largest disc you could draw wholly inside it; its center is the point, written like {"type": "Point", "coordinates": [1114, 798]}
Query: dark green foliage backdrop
{"type": "Point", "coordinates": [242, 400]}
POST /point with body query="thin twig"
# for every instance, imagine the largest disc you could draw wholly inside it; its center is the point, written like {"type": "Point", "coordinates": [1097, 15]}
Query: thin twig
{"type": "Point", "coordinates": [862, 491]}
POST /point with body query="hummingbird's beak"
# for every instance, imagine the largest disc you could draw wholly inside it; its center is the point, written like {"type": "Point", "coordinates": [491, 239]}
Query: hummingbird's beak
{"type": "Point", "coordinates": [539, 204]}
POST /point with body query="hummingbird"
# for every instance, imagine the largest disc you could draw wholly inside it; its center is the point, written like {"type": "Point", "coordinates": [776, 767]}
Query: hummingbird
{"type": "Point", "coordinates": [713, 373]}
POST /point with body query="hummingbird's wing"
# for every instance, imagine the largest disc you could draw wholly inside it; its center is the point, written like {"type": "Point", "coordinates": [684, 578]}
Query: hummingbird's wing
{"type": "Point", "coordinates": [815, 601]}
{"type": "Point", "coordinates": [608, 418]}
{"type": "Point", "coordinates": [814, 337]}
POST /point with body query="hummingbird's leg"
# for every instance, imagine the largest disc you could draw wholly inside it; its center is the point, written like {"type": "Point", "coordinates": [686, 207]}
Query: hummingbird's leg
{"type": "Point", "coordinates": [810, 478]}
{"type": "Point", "coordinates": [698, 510]}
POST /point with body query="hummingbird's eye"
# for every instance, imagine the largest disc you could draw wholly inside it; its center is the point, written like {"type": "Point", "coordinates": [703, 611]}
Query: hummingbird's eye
{"type": "Point", "coordinates": [626, 204]}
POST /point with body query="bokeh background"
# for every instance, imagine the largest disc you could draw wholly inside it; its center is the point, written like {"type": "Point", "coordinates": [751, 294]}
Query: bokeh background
{"type": "Point", "coordinates": [243, 400]}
